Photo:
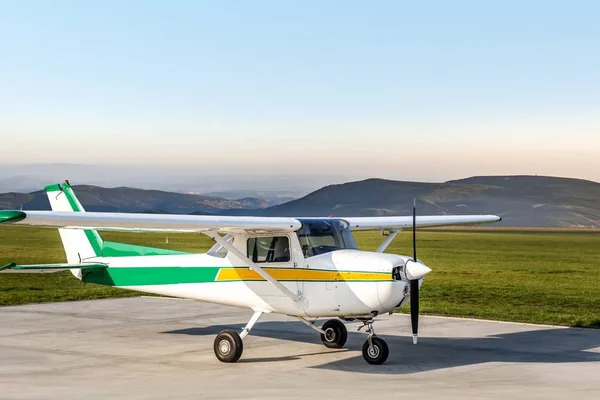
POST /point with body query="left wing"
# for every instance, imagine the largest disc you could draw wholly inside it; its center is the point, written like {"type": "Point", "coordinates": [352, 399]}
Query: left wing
{"type": "Point", "coordinates": [149, 222]}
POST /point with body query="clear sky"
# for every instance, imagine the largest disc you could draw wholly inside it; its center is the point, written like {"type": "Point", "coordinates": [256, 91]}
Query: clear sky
{"type": "Point", "coordinates": [428, 90]}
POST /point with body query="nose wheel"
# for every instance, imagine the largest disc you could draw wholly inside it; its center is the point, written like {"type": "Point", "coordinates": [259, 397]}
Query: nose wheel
{"type": "Point", "coordinates": [375, 350]}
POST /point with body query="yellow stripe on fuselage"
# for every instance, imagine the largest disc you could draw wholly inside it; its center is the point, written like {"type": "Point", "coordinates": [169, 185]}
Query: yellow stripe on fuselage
{"type": "Point", "coordinates": [286, 274]}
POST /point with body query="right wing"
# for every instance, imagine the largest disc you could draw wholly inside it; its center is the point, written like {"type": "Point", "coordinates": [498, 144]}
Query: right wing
{"type": "Point", "coordinates": [369, 223]}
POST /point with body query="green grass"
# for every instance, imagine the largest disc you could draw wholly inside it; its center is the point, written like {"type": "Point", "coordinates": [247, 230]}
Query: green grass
{"type": "Point", "coordinates": [537, 276]}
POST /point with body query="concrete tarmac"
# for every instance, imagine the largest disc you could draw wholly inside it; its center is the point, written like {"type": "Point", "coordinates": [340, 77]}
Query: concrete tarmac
{"type": "Point", "coordinates": [152, 348]}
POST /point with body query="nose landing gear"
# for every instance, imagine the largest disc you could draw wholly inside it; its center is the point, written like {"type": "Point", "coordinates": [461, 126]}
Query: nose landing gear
{"type": "Point", "coordinates": [375, 350]}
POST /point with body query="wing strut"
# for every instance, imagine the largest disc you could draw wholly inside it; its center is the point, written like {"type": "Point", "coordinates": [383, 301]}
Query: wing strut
{"type": "Point", "coordinates": [300, 302]}
{"type": "Point", "coordinates": [387, 241]}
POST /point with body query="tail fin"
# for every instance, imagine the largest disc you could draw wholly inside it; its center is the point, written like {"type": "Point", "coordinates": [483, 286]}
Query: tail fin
{"type": "Point", "coordinates": [79, 244]}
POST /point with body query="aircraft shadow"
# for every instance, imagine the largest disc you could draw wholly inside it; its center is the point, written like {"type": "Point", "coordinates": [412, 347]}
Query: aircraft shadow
{"type": "Point", "coordinates": [556, 345]}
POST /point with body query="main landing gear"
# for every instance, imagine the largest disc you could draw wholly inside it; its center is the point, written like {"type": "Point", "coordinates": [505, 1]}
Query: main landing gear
{"type": "Point", "coordinates": [229, 345]}
{"type": "Point", "coordinates": [335, 335]}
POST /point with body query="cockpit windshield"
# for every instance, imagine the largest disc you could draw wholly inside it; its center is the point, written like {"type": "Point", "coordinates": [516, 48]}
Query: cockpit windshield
{"type": "Point", "coordinates": [320, 236]}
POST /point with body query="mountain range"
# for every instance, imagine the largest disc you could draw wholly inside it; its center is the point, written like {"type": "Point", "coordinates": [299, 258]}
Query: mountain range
{"type": "Point", "coordinates": [126, 199]}
{"type": "Point", "coordinates": [536, 201]}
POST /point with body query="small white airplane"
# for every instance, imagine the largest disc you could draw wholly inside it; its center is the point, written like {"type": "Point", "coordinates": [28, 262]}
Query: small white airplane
{"type": "Point", "coordinates": [302, 267]}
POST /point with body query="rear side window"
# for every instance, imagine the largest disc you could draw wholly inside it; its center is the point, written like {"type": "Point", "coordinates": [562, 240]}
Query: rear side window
{"type": "Point", "coordinates": [269, 249]}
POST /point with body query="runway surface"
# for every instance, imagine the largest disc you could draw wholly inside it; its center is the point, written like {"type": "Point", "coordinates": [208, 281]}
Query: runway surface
{"type": "Point", "coordinates": [151, 348]}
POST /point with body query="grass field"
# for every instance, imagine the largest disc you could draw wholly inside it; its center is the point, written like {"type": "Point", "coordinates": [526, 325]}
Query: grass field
{"type": "Point", "coordinates": [537, 276]}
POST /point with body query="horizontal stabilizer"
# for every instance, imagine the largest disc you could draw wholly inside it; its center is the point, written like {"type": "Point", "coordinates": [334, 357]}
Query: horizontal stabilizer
{"type": "Point", "coordinates": [15, 267]}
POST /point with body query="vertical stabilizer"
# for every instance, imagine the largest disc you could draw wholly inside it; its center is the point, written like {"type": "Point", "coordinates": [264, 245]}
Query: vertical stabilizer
{"type": "Point", "coordinates": [79, 244]}
{"type": "Point", "coordinates": [82, 244]}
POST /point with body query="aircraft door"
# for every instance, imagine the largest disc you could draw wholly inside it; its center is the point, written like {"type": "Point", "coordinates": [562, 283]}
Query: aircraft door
{"type": "Point", "coordinates": [279, 256]}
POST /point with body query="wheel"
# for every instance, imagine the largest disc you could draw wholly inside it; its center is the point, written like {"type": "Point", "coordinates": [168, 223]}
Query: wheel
{"type": "Point", "coordinates": [228, 346]}
{"type": "Point", "coordinates": [335, 334]}
{"type": "Point", "coordinates": [376, 354]}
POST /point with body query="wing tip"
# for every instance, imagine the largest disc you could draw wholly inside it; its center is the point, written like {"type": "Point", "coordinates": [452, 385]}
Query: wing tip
{"type": "Point", "coordinates": [8, 266]}
{"type": "Point", "coordinates": [11, 216]}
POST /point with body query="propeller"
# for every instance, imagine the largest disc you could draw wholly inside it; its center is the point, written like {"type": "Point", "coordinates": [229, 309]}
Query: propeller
{"type": "Point", "coordinates": [414, 283]}
{"type": "Point", "coordinates": [414, 271]}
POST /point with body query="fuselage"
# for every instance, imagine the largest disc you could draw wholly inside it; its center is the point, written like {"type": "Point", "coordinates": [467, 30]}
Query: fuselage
{"type": "Point", "coordinates": [320, 264]}
{"type": "Point", "coordinates": [341, 283]}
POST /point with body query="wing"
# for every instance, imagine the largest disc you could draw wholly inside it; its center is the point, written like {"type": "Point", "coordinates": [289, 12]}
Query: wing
{"type": "Point", "coordinates": [204, 223]}
{"type": "Point", "coordinates": [366, 223]}
{"type": "Point", "coordinates": [148, 222]}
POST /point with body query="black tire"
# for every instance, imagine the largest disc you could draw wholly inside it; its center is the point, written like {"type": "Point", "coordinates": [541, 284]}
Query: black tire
{"type": "Point", "coordinates": [336, 334]}
{"type": "Point", "coordinates": [228, 346]}
{"type": "Point", "coordinates": [378, 354]}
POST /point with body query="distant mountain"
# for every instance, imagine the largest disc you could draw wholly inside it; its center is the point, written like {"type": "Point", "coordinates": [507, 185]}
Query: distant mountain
{"type": "Point", "coordinates": [520, 200]}
{"type": "Point", "coordinates": [125, 199]}
{"type": "Point", "coordinates": [274, 196]}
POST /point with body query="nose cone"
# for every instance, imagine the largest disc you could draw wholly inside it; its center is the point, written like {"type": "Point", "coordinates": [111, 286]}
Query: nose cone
{"type": "Point", "coordinates": [415, 270]}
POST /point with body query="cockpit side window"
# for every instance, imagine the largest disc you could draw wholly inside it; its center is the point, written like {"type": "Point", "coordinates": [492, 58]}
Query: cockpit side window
{"type": "Point", "coordinates": [321, 236]}
{"type": "Point", "coordinates": [269, 249]}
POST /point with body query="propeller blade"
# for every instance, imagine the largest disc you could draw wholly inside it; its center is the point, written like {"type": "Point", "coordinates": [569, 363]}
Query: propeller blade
{"type": "Point", "coordinates": [414, 308]}
{"type": "Point", "coordinates": [414, 283]}
{"type": "Point", "coordinates": [415, 230]}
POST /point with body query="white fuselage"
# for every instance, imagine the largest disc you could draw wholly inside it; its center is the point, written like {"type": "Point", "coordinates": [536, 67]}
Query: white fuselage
{"type": "Point", "coordinates": [341, 283]}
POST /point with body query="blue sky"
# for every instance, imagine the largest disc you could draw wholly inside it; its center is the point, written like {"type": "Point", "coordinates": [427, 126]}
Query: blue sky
{"type": "Point", "coordinates": [430, 90]}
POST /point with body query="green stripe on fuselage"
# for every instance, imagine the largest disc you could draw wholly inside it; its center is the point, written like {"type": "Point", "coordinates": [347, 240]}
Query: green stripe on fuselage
{"type": "Point", "coordinates": [143, 276]}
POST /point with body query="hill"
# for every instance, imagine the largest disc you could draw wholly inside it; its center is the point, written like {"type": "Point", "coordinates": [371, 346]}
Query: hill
{"type": "Point", "coordinates": [521, 200]}
{"type": "Point", "coordinates": [536, 201]}
{"type": "Point", "coordinates": [126, 199]}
